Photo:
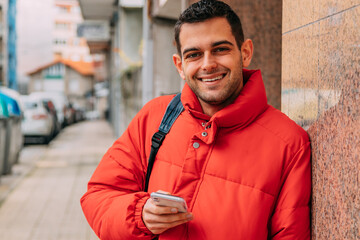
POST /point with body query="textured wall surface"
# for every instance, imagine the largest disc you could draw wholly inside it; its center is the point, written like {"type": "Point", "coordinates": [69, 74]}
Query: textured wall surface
{"type": "Point", "coordinates": [261, 22]}
{"type": "Point", "coordinates": [320, 91]}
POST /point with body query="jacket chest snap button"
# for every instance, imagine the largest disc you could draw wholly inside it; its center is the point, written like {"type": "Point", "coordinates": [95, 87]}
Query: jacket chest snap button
{"type": "Point", "coordinates": [196, 145]}
{"type": "Point", "coordinates": [204, 134]}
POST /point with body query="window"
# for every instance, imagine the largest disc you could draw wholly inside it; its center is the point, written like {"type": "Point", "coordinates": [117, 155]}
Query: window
{"type": "Point", "coordinates": [76, 41]}
{"type": "Point", "coordinates": [62, 26]}
{"type": "Point", "coordinates": [54, 72]}
{"type": "Point", "coordinates": [58, 41]}
{"type": "Point", "coordinates": [75, 9]}
{"type": "Point", "coordinates": [62, 9]}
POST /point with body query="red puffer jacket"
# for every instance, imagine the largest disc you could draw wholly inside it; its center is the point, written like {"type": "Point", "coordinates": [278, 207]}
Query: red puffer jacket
{"type": "Point", "coordinates": [244, 172]}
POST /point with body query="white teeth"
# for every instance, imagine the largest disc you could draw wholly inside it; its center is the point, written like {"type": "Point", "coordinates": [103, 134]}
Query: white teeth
{"type": "Point", "coordinates": [212, 79]}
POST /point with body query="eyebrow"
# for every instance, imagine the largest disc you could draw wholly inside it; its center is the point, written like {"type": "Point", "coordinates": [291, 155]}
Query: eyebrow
{"type": "Point", "coordinates": [221, 42]}
{"type": "Point", "coordinates": [189, 50]}
{"type": "Point", "coordinates": [212, 45]}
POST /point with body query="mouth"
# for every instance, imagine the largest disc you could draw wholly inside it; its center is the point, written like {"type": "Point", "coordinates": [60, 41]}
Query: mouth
{"type": "Point", "coordinates": [212, 79]}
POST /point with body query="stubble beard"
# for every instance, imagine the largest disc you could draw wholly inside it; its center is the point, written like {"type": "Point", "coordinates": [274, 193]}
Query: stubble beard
{"type": "Point", "coordinates": [225, 96]}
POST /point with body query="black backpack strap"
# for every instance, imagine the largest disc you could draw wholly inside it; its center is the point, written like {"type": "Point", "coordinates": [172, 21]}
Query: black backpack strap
{"type": "Point", "coordinates": [173, 110]}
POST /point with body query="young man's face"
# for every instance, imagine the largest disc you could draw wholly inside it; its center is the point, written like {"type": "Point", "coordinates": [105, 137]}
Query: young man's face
{"type": "Point", "coordinates": [211, 62]}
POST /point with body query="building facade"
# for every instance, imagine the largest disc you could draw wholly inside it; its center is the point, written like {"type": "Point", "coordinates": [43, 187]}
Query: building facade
{"type": "Point", "coordinates": [66, 43]}
{"type": "Point", "coordinates": [11, 45]}
{"type": "Point", "coordinates": [3, 42]}
{"type": "Point", "coordinates": [74, 79]}
{"type": "Point", "coordinates": [47, 32]}
{"type": "Point", "coordinates": [8, 44]}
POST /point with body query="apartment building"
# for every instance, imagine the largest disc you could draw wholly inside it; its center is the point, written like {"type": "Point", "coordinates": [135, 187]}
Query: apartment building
{"type": "Point", "coordinates": [66, 44]}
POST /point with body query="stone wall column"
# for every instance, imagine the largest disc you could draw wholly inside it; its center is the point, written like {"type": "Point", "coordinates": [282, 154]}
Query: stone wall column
{"type": "Point", "coordinates": [320, 91]}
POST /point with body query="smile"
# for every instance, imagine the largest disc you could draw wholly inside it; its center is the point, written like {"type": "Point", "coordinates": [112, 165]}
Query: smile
{"type": "Point", "coordinates": [212, 79]}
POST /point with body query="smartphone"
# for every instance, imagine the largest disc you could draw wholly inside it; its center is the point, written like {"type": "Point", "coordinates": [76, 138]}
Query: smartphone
{"type": "Point", "coordinates": [162, 199]}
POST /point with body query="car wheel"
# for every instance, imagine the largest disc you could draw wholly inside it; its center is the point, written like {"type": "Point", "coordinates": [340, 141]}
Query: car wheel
{"type": "Point", "coordinates": [46, 139]}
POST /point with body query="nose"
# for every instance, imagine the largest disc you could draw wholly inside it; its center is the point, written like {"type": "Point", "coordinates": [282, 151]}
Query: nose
{"type": "Point", "coordinates": [209, 62]}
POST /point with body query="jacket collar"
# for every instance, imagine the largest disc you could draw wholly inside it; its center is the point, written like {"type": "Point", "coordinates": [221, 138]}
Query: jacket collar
{"type": "Point", "coordinates": [250, 103]}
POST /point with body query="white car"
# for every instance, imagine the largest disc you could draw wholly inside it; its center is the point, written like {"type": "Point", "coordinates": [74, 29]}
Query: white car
{"type": "Point", "coordinates": [60, 101]}
{"type": "Point", "coordinates": [38, 122]}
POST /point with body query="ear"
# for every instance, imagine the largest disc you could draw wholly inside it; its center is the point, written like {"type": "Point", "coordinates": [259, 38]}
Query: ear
{"type": "Point", "coordinates": [178, 65]}
{"type": "Point", "coordinates": [247, 49]}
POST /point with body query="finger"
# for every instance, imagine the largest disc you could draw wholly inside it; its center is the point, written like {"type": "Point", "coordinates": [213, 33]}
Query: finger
{"type": "Point", "coordinates": [172, 218]}
{"type": "Point", "coordinates": [158, 228]}
{"type": "Point", "coordinates": [163, 192]}
{"type": "Point", "coordinates": [151, 207]}
{"type": "Point", "coordinates": [168, 218]}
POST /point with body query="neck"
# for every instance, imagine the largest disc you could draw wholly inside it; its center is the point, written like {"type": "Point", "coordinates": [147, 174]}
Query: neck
{"type": "Point", "coordinates": [209, 109]}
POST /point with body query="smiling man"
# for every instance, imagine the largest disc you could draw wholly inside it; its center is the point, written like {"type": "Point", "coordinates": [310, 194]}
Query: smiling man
{"type": "Point", "coordinates": [211, 62]}
{"type": "Point", "coordinates": [242, 167]}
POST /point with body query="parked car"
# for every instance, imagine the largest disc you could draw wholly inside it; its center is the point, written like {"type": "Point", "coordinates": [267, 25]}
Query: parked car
{"type": "Point", "coordinates": [14, 137]}
{"type": "Point", "coordinates": [61, 103]}
{"type": "Point", "coordinates": [79, 113]}
{"type": "Point", "coordinates": [4, 120]}
{"type": "Point", "coordinates": [49, 105]}
{"type": "Point", "coordinates": [38, 121]}
{"type": "Point", "coordinates": [70, 114]}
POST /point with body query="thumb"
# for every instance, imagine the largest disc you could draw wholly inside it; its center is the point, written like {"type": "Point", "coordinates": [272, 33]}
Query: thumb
{"type": "Point", "coordinates": [163, 192]}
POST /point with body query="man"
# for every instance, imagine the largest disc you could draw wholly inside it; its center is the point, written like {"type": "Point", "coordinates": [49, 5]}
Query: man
{"type": "Point", "coordinates": [242, 166]}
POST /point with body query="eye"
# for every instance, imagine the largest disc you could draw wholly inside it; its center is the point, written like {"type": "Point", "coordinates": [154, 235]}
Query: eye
{"type": "Point", "coordinates": [192, 55]}
{"type": "Point", "coordinates": [221, 49]}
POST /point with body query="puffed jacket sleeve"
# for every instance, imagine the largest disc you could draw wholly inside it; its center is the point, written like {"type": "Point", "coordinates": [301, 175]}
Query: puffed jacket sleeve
{"type": "Point", "coordinates": [291, 218]}
{"type": "Point", "coordinates": [114, 200]}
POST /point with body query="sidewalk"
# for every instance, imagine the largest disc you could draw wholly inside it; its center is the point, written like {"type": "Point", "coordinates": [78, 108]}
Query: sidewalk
{"type": "Point", "coordinates": [41, 199]}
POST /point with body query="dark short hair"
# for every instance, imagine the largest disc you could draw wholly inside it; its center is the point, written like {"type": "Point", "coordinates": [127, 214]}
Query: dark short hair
{"type": "Point", "coordinates": [207, 9]}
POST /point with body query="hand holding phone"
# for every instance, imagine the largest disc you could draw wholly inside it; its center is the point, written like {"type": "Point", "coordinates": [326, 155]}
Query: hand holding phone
{"type": "Point", "coordinates": [168, 200]}
{"type": "Point", "coordinates": [158, 218]}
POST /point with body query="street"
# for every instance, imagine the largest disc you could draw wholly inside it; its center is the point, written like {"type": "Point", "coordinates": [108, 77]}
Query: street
{"type": "Point", "coordinates": [40, 200]}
